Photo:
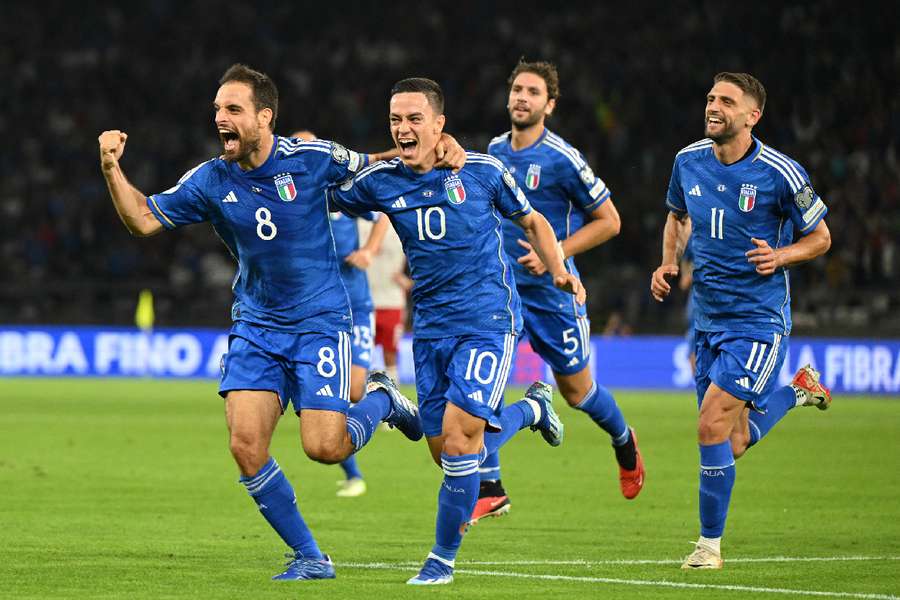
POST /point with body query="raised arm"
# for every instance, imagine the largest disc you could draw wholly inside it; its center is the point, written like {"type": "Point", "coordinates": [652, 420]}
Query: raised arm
{"type": "Point", "coordinates": [130, 203]}
{"type": "Point", "coordinates": [675, 236]}
{"type": "Point", "coordinates": [541, 237]}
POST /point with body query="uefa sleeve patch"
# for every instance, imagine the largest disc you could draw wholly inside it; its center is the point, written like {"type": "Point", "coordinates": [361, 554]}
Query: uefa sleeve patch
{"type": "Point", "coordinates": [805, 197]}
{"type": "Point", "coordinates": [339, 154]}
{"type": "Point", "coordinates": [509, 181]}
{"type": "Point", "coordinates": [587, 175]}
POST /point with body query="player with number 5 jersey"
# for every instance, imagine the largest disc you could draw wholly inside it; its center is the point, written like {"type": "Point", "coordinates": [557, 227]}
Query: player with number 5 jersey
{"type": "Point", "coordinates": [466, 309]}
{"type": "Point", "coordinates": [578, 205]}
{"type": "Point", "coordinates": [290, 341]}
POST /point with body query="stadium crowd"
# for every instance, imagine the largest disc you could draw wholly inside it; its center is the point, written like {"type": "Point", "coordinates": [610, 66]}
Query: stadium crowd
{"type": "Point", "coordinates": [632, 88]}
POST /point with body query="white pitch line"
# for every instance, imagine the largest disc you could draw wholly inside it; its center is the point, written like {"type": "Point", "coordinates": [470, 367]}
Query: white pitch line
{"type": "Point", "coordinates": [642, 582]}
{"type": "Point", "coordinates": [588, 563]}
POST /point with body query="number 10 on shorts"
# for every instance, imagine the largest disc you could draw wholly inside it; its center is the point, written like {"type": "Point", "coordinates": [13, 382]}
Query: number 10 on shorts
{"type": "Point", "coordinates": [482, 366]}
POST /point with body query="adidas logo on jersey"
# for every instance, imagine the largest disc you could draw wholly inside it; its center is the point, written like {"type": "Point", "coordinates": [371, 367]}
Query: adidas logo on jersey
{"type": "Point", "coordinates": [230, 197]}
{"type": "Point", "coordinates": [325, 391]}
{"type": "Point", "coordinates": [695, 191]}
{"type": "Point", "coordinates": [399, 203]}
{"type": "Point", "coordinates": [477, 396]}
{"type": "Point", "coordinates": [573, 362]}
{"type": "Point", "coordinates": [744, 382]}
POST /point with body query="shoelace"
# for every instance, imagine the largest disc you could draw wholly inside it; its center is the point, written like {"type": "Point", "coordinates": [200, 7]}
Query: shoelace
{"type": "Point", "coordinates": [294, 559]}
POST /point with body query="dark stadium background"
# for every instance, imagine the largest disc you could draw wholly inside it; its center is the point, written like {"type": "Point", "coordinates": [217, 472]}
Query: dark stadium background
{"type": "Point", "coordinates": [633, 80]}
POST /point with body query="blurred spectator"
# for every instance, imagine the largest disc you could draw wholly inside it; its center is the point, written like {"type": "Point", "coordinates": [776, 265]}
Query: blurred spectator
{"type": "Point", "coordinates": [632, 87]}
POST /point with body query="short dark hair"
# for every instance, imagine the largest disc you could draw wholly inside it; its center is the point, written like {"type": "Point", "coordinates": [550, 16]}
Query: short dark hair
{"type": "Point", "coordinates": [749, 84]}
{"type": "Point", "coordinates": [543, 69]}
{"type": "Point", "coordinates": [265, 94]}
{"type": "Point", "coordinates": [433, 92]}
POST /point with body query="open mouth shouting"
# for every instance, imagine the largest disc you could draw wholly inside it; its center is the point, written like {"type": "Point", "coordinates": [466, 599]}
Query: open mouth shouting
{"type": "Point", "coordinates": [231, 141]}
{"type": "Point", "coordinates": [407, 146]}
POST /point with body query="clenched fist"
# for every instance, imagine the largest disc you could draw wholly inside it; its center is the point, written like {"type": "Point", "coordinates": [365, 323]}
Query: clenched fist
{"type": "Point", "coordinates": [112, 145]}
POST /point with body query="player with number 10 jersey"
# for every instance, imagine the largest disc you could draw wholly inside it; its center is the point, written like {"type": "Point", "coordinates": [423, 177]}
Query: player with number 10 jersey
{"type": "Point", "coordinates": [466, 315]}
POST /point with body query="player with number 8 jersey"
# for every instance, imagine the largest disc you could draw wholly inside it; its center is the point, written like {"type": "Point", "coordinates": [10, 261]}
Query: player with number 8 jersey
{"type": "Point", "coordinates": [290, 341]}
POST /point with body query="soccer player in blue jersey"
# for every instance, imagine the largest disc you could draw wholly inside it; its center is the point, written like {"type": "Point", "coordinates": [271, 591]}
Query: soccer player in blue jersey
{"type": "Point", "coordinates": [354, 260]}
{"type": "Point", "coordinates": [290, 341]}
{"type": "Point", "coordinates": [466, 308]}
{"type": "Point", "coordinates": [562, 186]}
{"type": "Point", "coordinates": [745, 202]}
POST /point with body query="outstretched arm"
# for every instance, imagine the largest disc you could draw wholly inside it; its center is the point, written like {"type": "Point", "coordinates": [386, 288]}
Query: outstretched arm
{"type": "Point", "coordinates": [768, 259]}
{"type": "Point", "coordinates": [130, 203]}
{"type": "Point", "coordinates": [675, 236]}
{"type": "Point", "coordinates": [541, 237]}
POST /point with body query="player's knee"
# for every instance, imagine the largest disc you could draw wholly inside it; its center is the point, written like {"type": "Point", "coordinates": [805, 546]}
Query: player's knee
{"type": "Point", "coordinates": [710, 431]}
{"type": "Point", "coordinates": [248, 453]}
{"type": "Point", "coordinates": [324, 452]}
{"type": "Point", "coordinates": [575, 388]}
{"type": "Point", "coordinates": [457, 443]}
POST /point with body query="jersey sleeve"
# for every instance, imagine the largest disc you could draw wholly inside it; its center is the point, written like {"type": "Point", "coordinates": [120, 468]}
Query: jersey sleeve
{"type": "Point", "coordinates": [675, 194]}
{"type": "Point", "coordinates": [352, 198]}
{"type": "Point", "coordinates": [798, 200]}
{"type": "Point", "coordinates": [586, 189]}
{"type": "Point", "coordinates": [510, 200]}
{"type": "Point", "coordinates": [344, 164]}
{"type": "Point", "coordinates": [182, 204]}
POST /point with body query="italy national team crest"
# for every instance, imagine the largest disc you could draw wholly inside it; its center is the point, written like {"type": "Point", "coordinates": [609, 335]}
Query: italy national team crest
{"type": "Point", "coordinates": [748, 197]}
{"type": "Point", "coordinates": [533, 177]}
{"type": "Point", "coordinates": [456, 193]}
{"type": "Point", "coordinates": [284, 183]}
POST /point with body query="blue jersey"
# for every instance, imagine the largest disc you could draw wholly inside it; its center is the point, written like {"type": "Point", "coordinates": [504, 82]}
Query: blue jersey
{"type": "Point", "coordinates": [765, 195]}
{"type": "Point", "coordinates": [449, 225]}
{"type": "Point", "coordinates": [346, 241]}
{"type": "Point", "coordinates": [274, 220]}
{"type": "Point", "coordinates": [563, 188]}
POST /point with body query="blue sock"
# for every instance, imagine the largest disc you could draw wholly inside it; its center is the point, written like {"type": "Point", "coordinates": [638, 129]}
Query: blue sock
{"type": "Point", "coordinates": [275, 498]}
{"type": "Point", "coordinates": [351, 470]}
{"type": "Point", "coordinates": [601, 407]}
{"type": "Point", "coordinates": [364, 416]}
{"type": "Point", "coordinates": [778, 404]}
{"type": "Point", "coordinates": [490, 468]}
{"type": "Point", "coordinates": [514, 417]}
{"type": "Point", "coordinates": [456, 501]}
{"type": "Point", "coordinates": [716, 482]}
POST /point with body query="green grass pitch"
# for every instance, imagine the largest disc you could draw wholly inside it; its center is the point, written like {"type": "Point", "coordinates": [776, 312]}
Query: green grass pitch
{"type": "Point", "coordinates": [126, 489]}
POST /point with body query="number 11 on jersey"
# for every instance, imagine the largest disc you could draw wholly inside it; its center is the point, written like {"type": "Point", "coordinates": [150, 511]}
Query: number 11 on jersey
{"type": "Point", "coordinates": [716, 224]}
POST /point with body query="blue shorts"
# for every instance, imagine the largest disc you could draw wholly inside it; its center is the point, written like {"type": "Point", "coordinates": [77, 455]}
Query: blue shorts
{"type": "Point", "coordinates": [308, 370]}
{"type": "Point", "coordinates": [470, 371]}
{"type": "Point", "coordinates": [562, 338]}
{"type": "Point", "coordinates": [744, 363]}
{"type": "Point", "coordinates": [363, 330]}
